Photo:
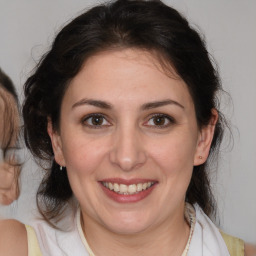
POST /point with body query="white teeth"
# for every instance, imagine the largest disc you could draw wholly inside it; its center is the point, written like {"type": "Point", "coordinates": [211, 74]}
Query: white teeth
{"type": "Point", "coordinates": [139, 187]}
{"type": "Point", "coordinates": [144, 186]}
{"type": "Point", "coordinates": [132, 188]}
{"type": "Point", "coordinates": [110, 185]}
{"type": "Point", "coordinates": [123, 188]}
{"type": "Point", "coordinates": [116, 187]}
{"type": "Point", "coordinates": [127, 190]}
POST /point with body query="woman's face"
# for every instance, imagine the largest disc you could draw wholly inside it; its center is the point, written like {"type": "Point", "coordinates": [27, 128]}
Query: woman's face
{"type": "Point", "coordinates": [129, 140]}
{"type": "Point", "coordinates": [9, 171]}
{"type": "Point", "coordinates": [9, 114]}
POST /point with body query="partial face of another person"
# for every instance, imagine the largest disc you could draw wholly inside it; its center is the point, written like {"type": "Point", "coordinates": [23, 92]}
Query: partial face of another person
{"type": "Point", "coordinates": [129, 139]}
{"type": "Point", "coordinates": [9, 127]}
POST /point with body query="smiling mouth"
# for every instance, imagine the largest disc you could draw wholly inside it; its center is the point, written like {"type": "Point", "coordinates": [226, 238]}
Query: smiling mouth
{"type": "Point", "coordinates": [131, 189]}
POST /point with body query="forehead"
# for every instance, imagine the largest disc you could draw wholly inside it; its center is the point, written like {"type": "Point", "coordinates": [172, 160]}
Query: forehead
{"type": "Point", "coordinates": [131, 74]}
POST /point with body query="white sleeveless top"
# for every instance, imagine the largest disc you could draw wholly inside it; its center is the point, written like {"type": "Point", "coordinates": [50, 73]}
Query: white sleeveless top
{"type": "Point", "coordinates": [206, 239]}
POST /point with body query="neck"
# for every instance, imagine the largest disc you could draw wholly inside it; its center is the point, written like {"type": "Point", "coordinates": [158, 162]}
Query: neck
{"type": "Point", "coordinates": [166, 238]}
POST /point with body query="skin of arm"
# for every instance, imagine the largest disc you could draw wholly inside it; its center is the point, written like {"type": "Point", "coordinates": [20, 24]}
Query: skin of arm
{"type": "Point", "coordinates": [13, 238]}
{"type": "Point", "coordinates": [250, 250]}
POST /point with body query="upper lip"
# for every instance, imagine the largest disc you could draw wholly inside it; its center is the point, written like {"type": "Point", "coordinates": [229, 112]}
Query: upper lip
{"type": "Point", "coordinates": [127, 181]}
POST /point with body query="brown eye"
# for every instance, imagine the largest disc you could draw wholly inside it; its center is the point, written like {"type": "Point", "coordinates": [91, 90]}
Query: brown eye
{"type": "Point", "coordinates": [160, 121]}
{"type": "Point", "coordinates": [95, 120]}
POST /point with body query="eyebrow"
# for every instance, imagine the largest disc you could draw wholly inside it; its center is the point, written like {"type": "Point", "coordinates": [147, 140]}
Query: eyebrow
{"type": "Point", "coordinates": [162, 103]}
{"type": "Point", "coordinates": [146, 106]}
{"type": "Point", "coordinates": [96, 103]}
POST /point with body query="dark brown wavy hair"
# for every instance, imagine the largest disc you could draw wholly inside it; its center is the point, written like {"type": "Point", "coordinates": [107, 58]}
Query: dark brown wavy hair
{"type": "Point", "coordinates": [147, 25]}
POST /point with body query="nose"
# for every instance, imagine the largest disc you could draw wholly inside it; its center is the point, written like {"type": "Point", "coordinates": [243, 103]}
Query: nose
{"type": "Point", "coordinates": [127, 152]}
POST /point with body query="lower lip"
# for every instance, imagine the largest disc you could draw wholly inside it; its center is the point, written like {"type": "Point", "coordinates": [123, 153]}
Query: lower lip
{"type": "Point", "coordinates": [128, 198]}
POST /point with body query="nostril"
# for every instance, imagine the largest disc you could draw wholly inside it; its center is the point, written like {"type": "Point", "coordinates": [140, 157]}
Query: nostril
{"type": "Point", "coordinates": [127, 150]}
{"type": "Point", "coordinates": [128, 162]}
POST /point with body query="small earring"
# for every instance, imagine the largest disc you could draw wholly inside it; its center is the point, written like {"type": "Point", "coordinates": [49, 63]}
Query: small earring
{"type": "Point", "coordinates": [200, 157]}
{"type": "Point", "coordinates": [60, 167]}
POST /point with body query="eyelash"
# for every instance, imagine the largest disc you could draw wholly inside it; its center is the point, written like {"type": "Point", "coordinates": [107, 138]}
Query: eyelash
{"type": "Point", "coordinates": [169, 119]}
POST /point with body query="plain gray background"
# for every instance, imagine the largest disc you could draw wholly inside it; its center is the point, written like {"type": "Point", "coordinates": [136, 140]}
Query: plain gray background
{"type": "Point", "coordinates": [28, 26]}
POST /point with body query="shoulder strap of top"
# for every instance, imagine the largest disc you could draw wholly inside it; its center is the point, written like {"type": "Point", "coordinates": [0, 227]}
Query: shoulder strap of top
{"type": "Point", "coordinates": [33, 246]}
{"type": "Point", "coordinates": [235, 245]}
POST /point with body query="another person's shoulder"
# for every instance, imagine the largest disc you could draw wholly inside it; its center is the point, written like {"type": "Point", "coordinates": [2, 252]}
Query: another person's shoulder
{"type": "Point", "coordinates": [250, 250]}
{"type": "Point", "coordinates": [13, 238]}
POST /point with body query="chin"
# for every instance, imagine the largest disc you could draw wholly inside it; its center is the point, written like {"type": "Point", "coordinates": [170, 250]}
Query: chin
{"type": "Point", "coordinates": [128, 223]}
{"type": "Point", "coordinates": [127, 229]}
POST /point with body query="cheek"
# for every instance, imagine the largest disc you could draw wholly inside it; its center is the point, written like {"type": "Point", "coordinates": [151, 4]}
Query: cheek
{"type": "Point", "coordinates": [83, 156]}
{"type": "Point", "coordinates": [175, 152]}
{"type": "Point", "coordinates": [83, 159]}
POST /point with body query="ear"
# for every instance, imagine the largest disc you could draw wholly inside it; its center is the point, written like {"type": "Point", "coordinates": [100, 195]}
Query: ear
{"type": "Point", "coordinates": [56, 144]}
{"type": "Point", "coordinates": [205, 140]}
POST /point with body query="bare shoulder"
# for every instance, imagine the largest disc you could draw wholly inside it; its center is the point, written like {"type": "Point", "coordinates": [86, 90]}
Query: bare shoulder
{"type": "Point", "coordinates": [250, 250]}
{"type": "Point", "coordinates": [13, 238]}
